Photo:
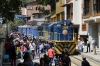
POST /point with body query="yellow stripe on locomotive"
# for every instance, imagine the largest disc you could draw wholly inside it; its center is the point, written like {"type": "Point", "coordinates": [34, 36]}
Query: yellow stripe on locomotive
{"type": "Point", "coordinates": [66, 46]}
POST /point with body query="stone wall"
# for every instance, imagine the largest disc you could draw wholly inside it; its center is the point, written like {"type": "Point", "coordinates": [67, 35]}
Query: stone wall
{"type": "Point", "coordinates": [2, 35]}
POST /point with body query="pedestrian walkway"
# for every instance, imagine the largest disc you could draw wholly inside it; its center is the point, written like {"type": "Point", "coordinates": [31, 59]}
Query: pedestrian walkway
{"type": "Point", "coordinates": [35, 60]}
{"type": "Point", "coordinates": [91, 55]}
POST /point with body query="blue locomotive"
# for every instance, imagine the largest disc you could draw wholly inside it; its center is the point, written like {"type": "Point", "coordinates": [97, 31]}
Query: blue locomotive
{"type": "Point", "coordinates": [60, 33]}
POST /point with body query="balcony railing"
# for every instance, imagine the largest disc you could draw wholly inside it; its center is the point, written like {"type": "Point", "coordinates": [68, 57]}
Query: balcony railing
{"type": "Point", "coordinates": [57, 36]}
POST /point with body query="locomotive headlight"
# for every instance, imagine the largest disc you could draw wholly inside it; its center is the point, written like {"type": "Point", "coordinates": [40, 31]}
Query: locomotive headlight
{"type": "Point", "coordinates": [65, 32]}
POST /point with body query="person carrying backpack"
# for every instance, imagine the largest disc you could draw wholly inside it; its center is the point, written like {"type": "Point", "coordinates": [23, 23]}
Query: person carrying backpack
{"type": "Point", "coordinates": [94, 44]}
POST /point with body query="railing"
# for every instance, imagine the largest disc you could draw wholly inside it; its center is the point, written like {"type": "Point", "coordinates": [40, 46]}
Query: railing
{"type": "Point", "coordinates": [57, 36]}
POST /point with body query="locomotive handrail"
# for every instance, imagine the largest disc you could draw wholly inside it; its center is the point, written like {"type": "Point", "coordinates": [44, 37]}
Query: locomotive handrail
{"type": "Point", "coordinates": [54, 36]}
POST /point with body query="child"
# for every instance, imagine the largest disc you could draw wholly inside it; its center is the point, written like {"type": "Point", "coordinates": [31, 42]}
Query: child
{"type": "Point", "coordinates": [56, 60]}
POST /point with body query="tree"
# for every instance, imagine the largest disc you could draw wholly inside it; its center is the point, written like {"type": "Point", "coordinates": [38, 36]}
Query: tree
{"type": "Point", "coordinates": [15, 23]}
{"type": "Point", "coordinates": [44, 3]}
{"type": "Point", "coordinates": [8, 8]}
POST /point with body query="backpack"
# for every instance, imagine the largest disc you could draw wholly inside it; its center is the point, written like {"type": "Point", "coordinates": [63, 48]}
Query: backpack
{"type": "Point", "coordinates": [94, 43]}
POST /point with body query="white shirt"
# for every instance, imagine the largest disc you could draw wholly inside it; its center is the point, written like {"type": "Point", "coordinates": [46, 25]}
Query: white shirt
{"type": "Point", "coordinates": [88, 42]}
{"type": "Point", "coordinates": [82, 43]}
{"type": "Point", "coordinates": [93, 42]}
{"type": "Point", "coordinates": [41, 47]}
{"type": "Point", "coordinates": [32, 46]}
{"type": "Point", "coordinates": [79, 42]}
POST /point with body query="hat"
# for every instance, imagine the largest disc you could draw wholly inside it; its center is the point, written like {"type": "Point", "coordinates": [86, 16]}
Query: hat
{"type": "Point", "coordinates": [84, 57]}
{"type": "Point", "coordinates": [21, 41]}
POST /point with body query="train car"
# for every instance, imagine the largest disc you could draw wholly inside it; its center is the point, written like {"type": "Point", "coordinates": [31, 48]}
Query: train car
{"type": "Point", "coordinates": [22, 29]}
{"type": "Point", "coordinates": [27, 30]}
{"type": "Point", "coordinates": [54, 31]}
{"type": "Point", "coordinates": [34, 30]}
{"type": "Point", "coordinates": [51, 31]}
{"type": "Point", "coordinates": [63, 41]}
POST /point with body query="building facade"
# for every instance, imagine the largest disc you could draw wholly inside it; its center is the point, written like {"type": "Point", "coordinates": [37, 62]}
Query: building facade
{"type": "Point", "coordinates": [57, 12]}
{"type": "Point", "coordinates": [91, 16]}
{"type": "Point", "coordinates": [74, 13]}
{"type": "Point", "coordinates": [34, 15]}
{"type": "Point", "coordinates": [78, 19]}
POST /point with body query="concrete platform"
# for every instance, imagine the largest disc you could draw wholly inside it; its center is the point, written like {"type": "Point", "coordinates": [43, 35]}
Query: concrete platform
{"type": "Point", "coordinates": [91, 54]}
{"type": "Point", "coordinates": [35, 60]}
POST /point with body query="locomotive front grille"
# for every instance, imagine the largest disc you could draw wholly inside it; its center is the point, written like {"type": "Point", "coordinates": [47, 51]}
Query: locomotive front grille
{"type": "Point", "coordinates": [69, 47]}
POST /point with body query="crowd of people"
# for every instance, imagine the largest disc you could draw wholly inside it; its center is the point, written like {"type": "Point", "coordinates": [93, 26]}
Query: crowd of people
{"type": "Point", "coordinates": [22, 47]}
{"type": "Point", "coordinates": [91, 45]}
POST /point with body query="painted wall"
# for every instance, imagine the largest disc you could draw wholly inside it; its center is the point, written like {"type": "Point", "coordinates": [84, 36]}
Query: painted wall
{"type": "Point", "coordinates": [77, 15]}
{"type": "Point", "coordinates": [93, 30]}
{"type": "Point", "coordinates": [59, 9]}
{"type": "Point", "coordinates": [24, 12]}
{"type": "Point", "coordinates": [77, 11]}
{"type": "Point", "coordinates": [33, 6]}
{"type": "Point", "coordinates": [99, 35]}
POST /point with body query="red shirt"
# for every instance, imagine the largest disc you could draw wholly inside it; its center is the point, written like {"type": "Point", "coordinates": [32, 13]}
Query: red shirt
{"type": "Point", "coordinates": [50, 53]}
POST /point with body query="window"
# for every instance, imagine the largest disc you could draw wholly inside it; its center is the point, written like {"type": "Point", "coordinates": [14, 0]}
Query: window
{"type": "Point", "coordinates": [71, 11]}
{"type": "Point", "coordinates": [96, 6]}
{"type": "Point", "coordinates": [68, 11]}
{"type": "Point", "coordinates": [54, 19]}
{"type": "Point", "coordinates": [58, 17]}
{"type": "Point", "coordinates": [51, 19]}
{"type": "Point", "coordinates": [29, 7]}
{"type": "Point", "coordinates": [86, 7]}
{"type": "Point", "coordinates": [62, 15]}
{"type": "Point", "coordinates": [53, 5]}
{"type": "Point", "coordinates": [39, 15]}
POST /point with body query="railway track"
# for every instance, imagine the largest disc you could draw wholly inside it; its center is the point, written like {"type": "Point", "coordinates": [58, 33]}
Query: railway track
{"type": "Point", "coordinates": [78, 59]}
{"type": "Point", "coordinates": [73, 64]}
